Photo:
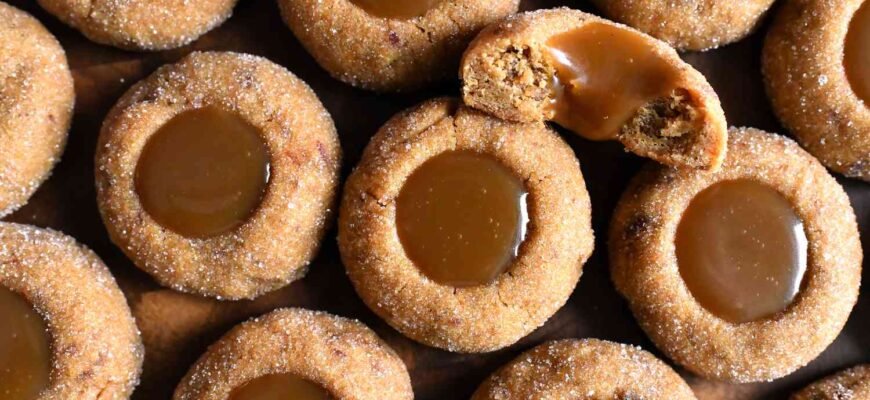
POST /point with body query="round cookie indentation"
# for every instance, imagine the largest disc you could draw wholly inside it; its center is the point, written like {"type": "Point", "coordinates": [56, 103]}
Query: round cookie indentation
{"type": "Point", "coordinates": [809, 86]}
{"type": "Point", "coordinates": [557, 65]}
{"type": "Point", "coordinates": [274, 245]}
{"type": "Point", "coordinates": [338, 355]}
{"type": "Point", "coordinates": [366, 50]}
{"type": "Point", "coordinates": [24, 348]}
{"type": "Point", "coordinates": [603, 370]}
{"type": "Point", "coordinates": [645, 269]}
{"type": "Point", "coordinates": [741, 250]}
{"type": "Point", "coordinates": [95, 349]}
{"type": "Point", "coordinates": [851, 384]}
{"type": "Point", "coordinates": [141, 24]}
{"type": "Point", "coordinates": [689, 24]}
{"type": "Point", "coordinates": [36, 102]}
{"type": "Point", "coordinates": [461, 217]}
{"type": "Point", "coordinates": [279, 386]}
{"type": "Point", "coordinates": [483, 317]}
{"type": "Point", "coordinates": [203, 173]}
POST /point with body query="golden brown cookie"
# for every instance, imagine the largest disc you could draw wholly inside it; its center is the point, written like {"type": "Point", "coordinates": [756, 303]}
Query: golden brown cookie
{"type": "Point", "coordinates": [341, 357]}
{"type": "Point", "coordinates": [390, 45]}
{"type": "Point", "coordinates": [814, 95]}
{"type": "Point", "coordinates": [36, 101]}
{"type": "Point", "coordinates": [231, 215]}
{"type": "Point", "coordinates": [599, 79]}
{"type": "Point", "coordinates": [689, 24]}
{"type": "Point", "coordinates": [141, 24]}
{"type": "Point", "coordinates": [589, 368]}
{"type": "Point", "coordinates": [742, 275]}
{"type": "Point", "coordinates": [86, 344]}
{"type": "Point", "coordinates": [530, 284]}
{"type": "Point", "coordinates": [851, 384]}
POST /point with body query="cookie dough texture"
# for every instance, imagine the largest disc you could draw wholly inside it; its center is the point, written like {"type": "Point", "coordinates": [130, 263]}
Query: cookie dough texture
{"type": "Point", "coordinates": [589, 368]}
{"type": "Point", "coordinates": [141, 24]}
{"type": "Point", "coordinates": [851, 384]}
{"type": "Point", "coordinates": [343, 356]}
{"type": "Point", "coordinates": [689, 24]}
{"type": "Point", "coordinates": [96, 349]}
{"type": "Point", "coordinates": [465, 319]}
{"type": "Point", "coordinates": [275, 245]}
{"type": "Point", "coordinates": [808, 87]}
{"type": "Point", "coordinates": [506, 73]}
{"type": "Point", "coordinates": [645, 271]}
{"type": "Point", "coordinates": [36, 104]}
{"type": "Point", "coordinates": [390, 54]}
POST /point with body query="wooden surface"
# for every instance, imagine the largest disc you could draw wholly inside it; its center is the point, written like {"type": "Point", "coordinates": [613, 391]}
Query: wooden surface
{"type": "Point", "coordinates": [176, 328]}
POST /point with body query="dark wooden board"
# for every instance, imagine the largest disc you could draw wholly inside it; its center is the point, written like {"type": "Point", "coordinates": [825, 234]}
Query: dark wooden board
{"type": "Point", "coordinates": [176, 328]}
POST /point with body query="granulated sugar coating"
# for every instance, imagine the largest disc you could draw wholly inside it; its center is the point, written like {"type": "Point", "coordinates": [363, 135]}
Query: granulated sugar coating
{"type": "Point", "coordinates": [645, 271]}
{"type": "Point", "coordinates": [585, 369]}
{"type": "Point", "coordinates": [141, 24]}
{"type": "Point", "coordinates": [384, 54]}
{"type": "Point", "coordinates": [689, 24]}
{"type": "Point", "coordinates": [276, 243]}
{"type": "Point", "coordinates": [507, 72]}
{"type": "Point", "coordinates": [341, 355]}
{"type": "Point", "coordinates": [808, 86]}
{"type": "Point", "coordinates": [95, 345]}
{"type": "Point", "coordinates": [851, 384]}
{"type": "Point", "coordinates": [36, 101]}
{"type": "Point", "coordinates": [475, 318]}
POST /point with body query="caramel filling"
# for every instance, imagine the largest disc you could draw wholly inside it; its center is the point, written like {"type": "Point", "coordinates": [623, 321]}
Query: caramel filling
{"type": "Point", "coordinates": [604, 74]}
{"type": "Point", "coordinates": [396, 9]}
{"type": "Point", "coordinates": [280, 387]}
{"type": "Point", "coordinates": [461, 217]}
{"type": "Point", "coordinates": [741, 250]}
{"type": "Point", "coordinates": [203, 173]}
{"type": "Point", "coordinates": [25, 355]}
{"type": "Point", "coordinates": [856, 56]}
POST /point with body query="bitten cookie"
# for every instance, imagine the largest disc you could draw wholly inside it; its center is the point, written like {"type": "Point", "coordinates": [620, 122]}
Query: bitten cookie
{"type": "Point", "coordinates": [689, 24]}
{"type": "Point", "coordinates": [390, 45]}
{"type": "Point", "coordinates": [815, 67]}
{"type": "Point", "coordinates": [141, 24]}
{"type": "Point", "coordinates": [291, 352]}
{"type": "Point", "coordinates": [599, 79]}
{"type": "Point", "coordinates": [36, 104]}
{"type": "Point", "coordinates": [590, 368]}
{"type": "Point", "coordinates": [742, 275]}
{"type": "Point", "coordinates": [851, 384]}
{"type": "Point", "coordinates": [463, 231]}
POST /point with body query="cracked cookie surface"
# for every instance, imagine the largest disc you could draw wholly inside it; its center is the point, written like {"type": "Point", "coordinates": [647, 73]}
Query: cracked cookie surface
{"type": "Point", "coordinates": [595, 369]}
{"type": "Point", "coordinates": [342, 356]}
{"type": "Point", "coordinates": [390, 54]}
{"type": "Point", "coordinates": [141, 24]}
{"type": "Point", "coordinates": [689, 24]}
{"type": "Point", "coordinates": [535, 285]}
{"type": "Point", "coordinates": [645, 268]}
{"type": "Point", "coordinates": [806, 80]}
{"type": "Point", "coordinates": [36, 104]}
{"type": "Point", "coordinates": [274, 245]}
{"type": "Point", "coordinates": [96, 351]}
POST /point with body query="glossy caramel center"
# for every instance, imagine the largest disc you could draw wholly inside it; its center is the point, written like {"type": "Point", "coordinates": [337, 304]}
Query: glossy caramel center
{"type": "Point", "coordinates": [856, 57]}
{"type": "Point", "coordinates": [461, 217]}
{"type": "Point", "coordinates": [604, 74]}
{"type": "Point", "coordinates": [741, 250]}
{"type": "Point", "coordinates": [397, 9]}
{"type": "Point", "coordinates": [203, 173]}
{"type": "Point", "coordinates": [25, 355]}
{"type": "Point", "coordinates": [280, 387]}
